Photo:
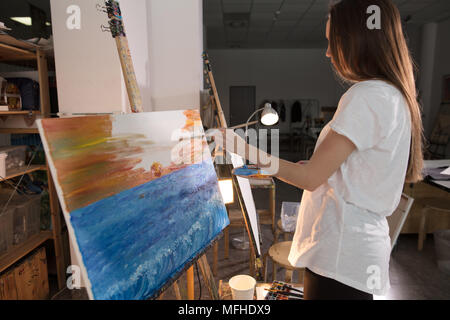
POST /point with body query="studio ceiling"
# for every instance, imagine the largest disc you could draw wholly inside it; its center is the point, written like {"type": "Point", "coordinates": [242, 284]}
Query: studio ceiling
{"type": "Point", "coordinates": [291, 23]}
{"type": "Point", "coordinates": [23, 8]}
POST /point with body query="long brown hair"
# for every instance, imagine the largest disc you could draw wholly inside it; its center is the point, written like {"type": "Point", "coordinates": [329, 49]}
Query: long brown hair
{"type": "Point", "coordinates": [360, 54]}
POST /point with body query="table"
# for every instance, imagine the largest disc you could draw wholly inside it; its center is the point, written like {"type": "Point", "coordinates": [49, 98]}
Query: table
{"type": "Point", "coordinates": [445, 185]}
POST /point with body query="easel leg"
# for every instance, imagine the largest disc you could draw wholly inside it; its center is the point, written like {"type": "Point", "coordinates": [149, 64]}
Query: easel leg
{"type": "Point", "coordinates": [288, 276]}
{"type": "Point", "coordinates": [216, 257]}
{"type": "Point", "coordinates": [190, 283]}
{"type": "Point", "coordinates": [272, 207]}
{"type": "Point", "coordinates": [274, 271]}
{"type": "Point", "coordinates": [226, 239]}
{"type": "Point", "coordinates": [252, 261]}
{"type": "Point", "coordinates": [265, 267]}
{"type": "Point", "coordinates": [176, 289]}
{"type": "Point", "coordinates": [208, 278]}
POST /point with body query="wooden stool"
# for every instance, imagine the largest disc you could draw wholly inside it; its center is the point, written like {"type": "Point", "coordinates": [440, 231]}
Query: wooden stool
{"type": "Point", "coordinates": [430, 204]}
{"type": "Point", "coordinates": [279, 253]}
{"type": "Point", "coordinates": [279, 230]}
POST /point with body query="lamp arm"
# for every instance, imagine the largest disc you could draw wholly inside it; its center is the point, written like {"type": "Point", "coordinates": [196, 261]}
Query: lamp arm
{"type": "Point", "coordinates": [250, 118]}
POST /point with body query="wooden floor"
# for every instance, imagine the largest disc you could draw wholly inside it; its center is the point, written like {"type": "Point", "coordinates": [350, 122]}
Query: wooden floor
{"type": "Point", "coordinates": [414, 275]}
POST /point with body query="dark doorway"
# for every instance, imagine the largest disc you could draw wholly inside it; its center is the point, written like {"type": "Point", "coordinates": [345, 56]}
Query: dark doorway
{"type": "Point", "coordinates": [242, 103]}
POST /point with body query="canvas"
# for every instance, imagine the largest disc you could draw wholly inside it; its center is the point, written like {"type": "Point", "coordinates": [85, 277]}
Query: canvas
{"type": "Point", "coordinates": [249, 203]}
{"type": "Point", "coordinates": [139, 194]}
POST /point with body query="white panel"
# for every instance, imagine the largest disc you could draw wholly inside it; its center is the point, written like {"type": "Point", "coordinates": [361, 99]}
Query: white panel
{"type": "Point", "coordinates": [134, 14]}
{"type": "Point", "coordinates": [247, 195]}
{"type": "Point", "coordinates": [88, 70]}
{"type": "Point", "coordinates": [176, 47]}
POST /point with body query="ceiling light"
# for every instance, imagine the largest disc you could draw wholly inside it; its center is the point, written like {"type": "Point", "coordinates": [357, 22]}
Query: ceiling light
{"type": "Point", "coordinates": [23, 20]}
{"type": "Point", "coordinates": [48, 24]}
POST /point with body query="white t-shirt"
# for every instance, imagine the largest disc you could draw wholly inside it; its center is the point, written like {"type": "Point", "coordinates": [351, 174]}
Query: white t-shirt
{"type": "Point", "coordinates": [342, 232]}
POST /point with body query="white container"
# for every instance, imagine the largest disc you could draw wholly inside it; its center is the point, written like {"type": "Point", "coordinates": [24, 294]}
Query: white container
{"type": "Point", "coordinates": [3, 164]}
{"type": "Point", "coordinates": [242, 287]}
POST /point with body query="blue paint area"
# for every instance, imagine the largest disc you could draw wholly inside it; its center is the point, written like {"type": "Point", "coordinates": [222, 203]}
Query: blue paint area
{"type": "Point", "coordinates": [134, 242]}
{"type": "Point", "coordinates": [249, 171]}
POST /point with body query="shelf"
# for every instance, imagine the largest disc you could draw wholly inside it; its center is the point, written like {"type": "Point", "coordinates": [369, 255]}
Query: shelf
{"type": "Point", "coordinates": [18, 252]}
{"type": "Point", "coordinates": [21, 112]}
{"type": "Point", "coordinates": [29, 116]}
{"type": "Point", "coordinates": [15, 50]}
{"type": "Point", "coordinates": [22, 170]}
{"type": "Point", "coordinates": [22, 53]}
{"type": "Point", "coordinates": [10, 53]}
{"type": "Point", "coordinates": [19, 130]}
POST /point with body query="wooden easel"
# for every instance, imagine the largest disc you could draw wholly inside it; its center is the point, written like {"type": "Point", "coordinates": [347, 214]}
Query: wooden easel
{"type": "Point", "coordinates": [256, 264]}
{"type": "Point", "coordinates": [118, 32]}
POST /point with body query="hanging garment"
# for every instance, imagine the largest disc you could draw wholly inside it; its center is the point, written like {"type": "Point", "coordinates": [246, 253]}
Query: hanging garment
{"type": "Point", "coordinates": [282, 113]}
{"type": "Point", "coordinates": [274, 105]}
{"type": "Point", "coordinates": [296, 112]}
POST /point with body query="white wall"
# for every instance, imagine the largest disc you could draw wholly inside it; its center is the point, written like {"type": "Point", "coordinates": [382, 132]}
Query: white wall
{"type": "Point", "coordinates": [277, 74]}
{"type": "Point", "coordinates": [176, 46]}
{"type": "Point", "coordinates": [285, 73]}
{"type": "Point", "coordinates": [88, 70]}
{"type": "Point", "coordinates": [134, 14]}
{"type": "Point", "coordinates": [166, 45]}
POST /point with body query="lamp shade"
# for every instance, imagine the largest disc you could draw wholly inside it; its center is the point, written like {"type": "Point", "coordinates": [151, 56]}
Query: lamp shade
{"type": "Point", "coordinates": [269, 116]}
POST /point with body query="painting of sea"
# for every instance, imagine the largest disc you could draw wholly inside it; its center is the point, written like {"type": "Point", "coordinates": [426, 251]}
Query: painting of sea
{"type": "Point", "coordinates": [139, 194]}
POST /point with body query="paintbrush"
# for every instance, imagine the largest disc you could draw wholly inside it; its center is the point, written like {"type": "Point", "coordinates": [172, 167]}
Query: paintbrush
{"type": "Point", "coordinates": [286, 293]}
{"type": "Point", "coordinates": [274, 296]}
{"type": "Point", "coordinates": [293, 289]}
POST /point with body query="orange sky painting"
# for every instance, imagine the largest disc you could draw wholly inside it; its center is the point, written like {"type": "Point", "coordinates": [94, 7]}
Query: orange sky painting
{"type": "Point", "coordinates": [91, 164]}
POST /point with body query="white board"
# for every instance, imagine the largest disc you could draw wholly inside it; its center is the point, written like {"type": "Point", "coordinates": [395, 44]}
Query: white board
{"type": "Point", "coordinates": [247, 196]}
